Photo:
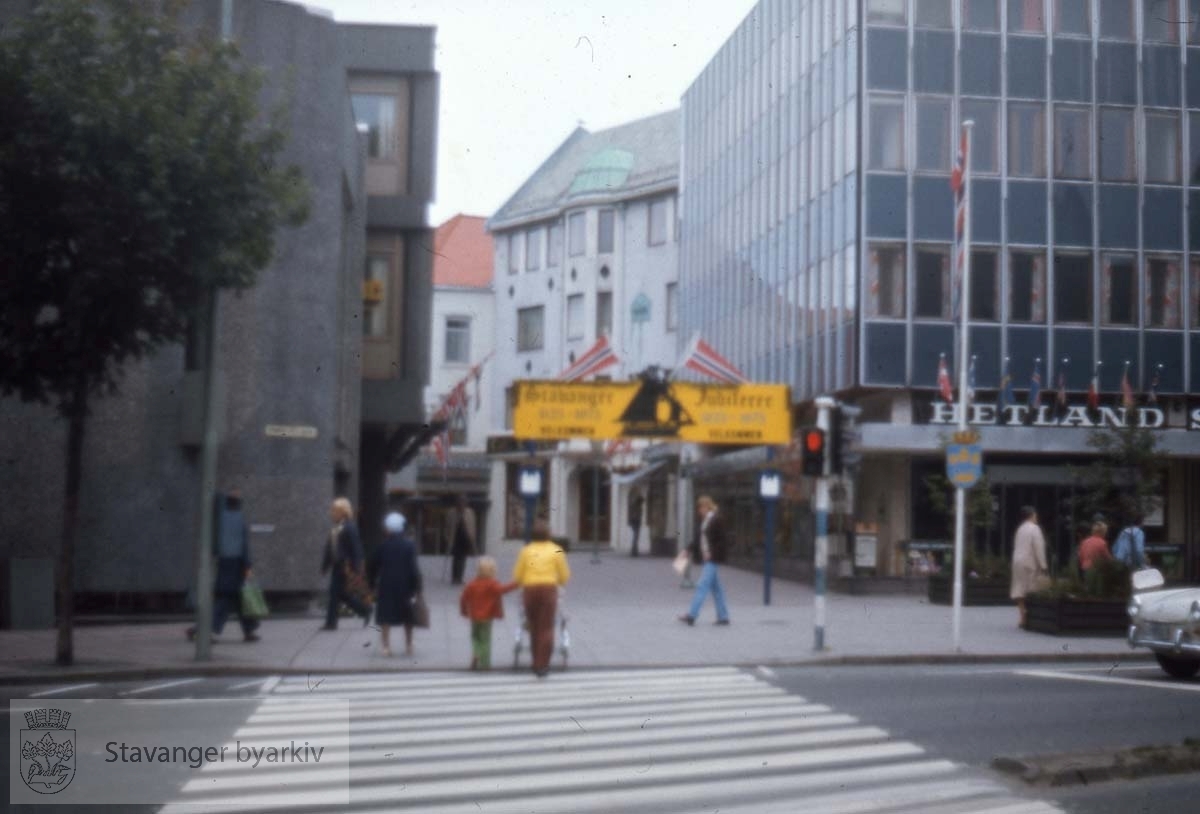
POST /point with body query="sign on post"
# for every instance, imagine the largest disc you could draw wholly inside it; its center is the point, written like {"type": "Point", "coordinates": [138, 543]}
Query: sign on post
{"type": "Point", "coordinates": [964, 460]}
{"type": "Point", "coordinates": [743, 414]}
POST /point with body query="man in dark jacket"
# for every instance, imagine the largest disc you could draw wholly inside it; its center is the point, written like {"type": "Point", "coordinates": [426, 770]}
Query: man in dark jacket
{"type": "Point", "coordinates": [231, 544]}
{"type": "Point", "coordinates": [709, 548]}
{"type": "Point", "coordinates": [635, 518]}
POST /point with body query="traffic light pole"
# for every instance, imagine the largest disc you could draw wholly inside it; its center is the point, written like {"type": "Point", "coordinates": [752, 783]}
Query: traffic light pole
{"type": "Point", "coordinates": [821, 560]}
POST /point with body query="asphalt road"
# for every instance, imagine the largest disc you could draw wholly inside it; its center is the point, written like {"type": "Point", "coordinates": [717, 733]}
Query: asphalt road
{"type": "Point", "coordinates": [868, 722]}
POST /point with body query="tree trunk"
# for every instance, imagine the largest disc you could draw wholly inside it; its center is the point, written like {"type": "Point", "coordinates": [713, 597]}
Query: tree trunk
{"type": "Point", "coordinates": [65, 578]}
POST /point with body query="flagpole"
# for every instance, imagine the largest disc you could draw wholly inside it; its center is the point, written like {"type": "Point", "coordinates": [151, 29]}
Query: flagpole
{"type": "Point", "coordinates": [964, 304]}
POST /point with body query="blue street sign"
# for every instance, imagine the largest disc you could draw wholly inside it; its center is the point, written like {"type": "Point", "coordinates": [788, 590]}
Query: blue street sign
{"type": "Point", "coordinates": [964, 464]}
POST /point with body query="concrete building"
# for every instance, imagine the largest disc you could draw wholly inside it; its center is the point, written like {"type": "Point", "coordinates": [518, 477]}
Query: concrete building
{"type": "Point", "coordinates": [817, 149]}
{"type": "Point", "coordinates": [310, 404]}
{"type": "Point", "coordinates": [587, 246]}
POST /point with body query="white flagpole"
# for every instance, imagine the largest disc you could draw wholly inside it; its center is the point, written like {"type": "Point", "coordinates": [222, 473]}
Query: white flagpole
{"type": "Point", "coordinates": [964, 304]}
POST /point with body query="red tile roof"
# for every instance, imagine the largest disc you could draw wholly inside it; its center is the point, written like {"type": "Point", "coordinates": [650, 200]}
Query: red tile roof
{"type": "Point", "coordinates": [462, 253]}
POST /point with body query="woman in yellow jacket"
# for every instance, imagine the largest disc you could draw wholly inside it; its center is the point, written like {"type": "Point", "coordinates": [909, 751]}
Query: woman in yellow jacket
{"type": "Point", "coordinates": [541, 568]}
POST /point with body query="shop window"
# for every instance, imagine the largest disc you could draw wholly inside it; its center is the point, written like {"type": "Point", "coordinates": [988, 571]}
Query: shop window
{"type": "Point", "coordinates": [1072, 288]}
{"type": "Point", "coordinates": [984, 286]}
{"type": "Point", "coordinates": [1027, 287]}
{"type": "Point", "coordinates": [1026, 140]}
{"type": "Point", "coordinates": [932, 284]}
{"type": "Point", "coordinates": [886, 12]}
{"type": "Point", "coordinates": [458, 340]}
{"type": "Point", "coordinates": [1120, 290]}
{"type": "Point", "coordinates": [933, 134]}
{"type": "Point", "coordinates": [1026, 17]}
{"type": "Point", "coordinates": [981, 15]}
{"type": "Point", "coordinates": [1163, 291]}
{"type": "Point", "coordinates": [530, 324]}
{"type": "Point", "coordinates": [533, 249]}
{"type": "Point", "coordinates": [887, 134]}
{"type": "Point", "coordinates": [514, 252]}
{"type": "Point", "coordinates": [1116, 19]}
{"type": "Point", "coordinates": [1072, 142]}
{"type": "Point", "coordinates": [984, 153]}
{"type": "Point", "coordinates": [1072, 18]}
{"type": "Point", "coordinates": [1162, 147]}
{"type": "Point", "coordinates": [576, 327]}
{"type": "Point", "coordinates": [604, 312]}
{"type": "Point", "coordinates": [604, 232]}
{"type": "Point", "coordinates": [1117, 161]}
{"type": "Point", "coordinates": [577, 233]}
{"type": "Point", "coordinates": [932, 13]}
{"type": "Point", "coordinates": [885, 282]}
{"type": "Point", "coordinates": [376, 284]}
{"type": "Point", "coordinates": [554, 241]}
{"type": "Point", "coordinates": [1160, 20]}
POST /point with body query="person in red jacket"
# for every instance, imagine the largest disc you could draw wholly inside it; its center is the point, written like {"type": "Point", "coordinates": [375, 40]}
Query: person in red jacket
{"type": "Point", "coordinates": [481, 602]}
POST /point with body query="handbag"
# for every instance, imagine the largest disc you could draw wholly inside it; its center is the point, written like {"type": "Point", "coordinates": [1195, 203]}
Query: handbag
{"type": "Point", "coordinates": [254, 603]}
{"type": "Point", "coordinates": [355, 585]}
{"type": "Point", "coordinates": [420, 611]}
{"type": "Point", "coordinates": [681, 562]}
{"type": "Point", "coordinates": [1041, 582]}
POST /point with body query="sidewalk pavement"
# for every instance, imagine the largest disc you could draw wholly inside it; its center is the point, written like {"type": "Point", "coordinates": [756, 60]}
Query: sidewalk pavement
{"type": "Point", "coordinates": [622, 612]}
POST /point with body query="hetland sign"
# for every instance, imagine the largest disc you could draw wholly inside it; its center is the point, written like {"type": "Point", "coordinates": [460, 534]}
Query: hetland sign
{"type": "Point", "coordinates": [1048, 415]}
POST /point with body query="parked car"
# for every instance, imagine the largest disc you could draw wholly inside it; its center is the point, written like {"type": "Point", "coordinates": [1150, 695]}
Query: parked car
{"type": "Point", "coordinates": [1166, 622]}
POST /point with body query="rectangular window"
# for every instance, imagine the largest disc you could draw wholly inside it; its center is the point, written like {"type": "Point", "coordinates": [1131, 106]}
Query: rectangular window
{"type": "Point", "coordinates": [981, 15]}
{"type": "Point", "coordinates": [1072, 18]}
{"type": "Point", "coordinates": [530, 328]}
{"type": "Point", "coordinates": [1120, 290]}
{"type": "Point", "coordinates": [514, 253]}
{"type": "Point", "coordinates": [1027, 287]}
{"type": "Point", "coordinates": [1193, 21]}
{"type": "Point", "coordinates": [576, 325]}
{"type": "Point", "coordinates": [888, 12]}
{"type": "Point", "coordinates": [933, 134]}
{"type": "Point", "coordinates": [458, 340]}
{"type": "Point", "coordinates": [1072, 288]}
{"type": "Point", "coordinates": [604, 312]}
{"type": "Point", "coordinates": [577, 233]}
{"type": "Point", "coordinates": [885, 282]}
{"type": "Point", "coordinates": [1163, 292]}
{"type": "Point", "coordinates": [377, 112]}
{"type": "Point", "coordinates": [1162, 147]}
{"type": "Point", "coordinates": [533, 250]}
{"type": "Point", "coordinates": [985, 155]}
{"type": "Point", "coordinates": [656, 229]}
{"type": "Point", "coordinates": [1026, 17]}
{"type": "Point", "coordinates": [1072, 142]}
{"type": "Point", "coordinates": [1116, 19]}
{"type": "Point", "coordinates": [1160, 20]}
{"type": "Point", "coordinates": [554, 245]}
{"type": "Point", "coordinates": [1116, 144]}
{"type": "Point", "coordinates": [604, 232]}
{"type": "Point", "coordinates": [887, 134]}
{"type": "Point", "coordinates": [984, 286]}
{"type": "Point", "coordinates": [1194, 151]}
{"type": "Point", "coordinates": [376, 279]}
{"type": "Point", "coordinates": [1195, 305]}
{"type": "Point", "coordinates": [932, 13]}
{"type": "Point", "coordinates": [933, 284]}
{"type": "Point", "coordinates": [672, 306]}
{"type": "Point", "coordinates": [1026, 140]}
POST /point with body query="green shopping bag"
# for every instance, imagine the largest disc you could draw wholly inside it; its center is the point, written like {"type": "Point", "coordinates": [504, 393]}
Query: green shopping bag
{"type": "Point", "coordinates": [254, 604]}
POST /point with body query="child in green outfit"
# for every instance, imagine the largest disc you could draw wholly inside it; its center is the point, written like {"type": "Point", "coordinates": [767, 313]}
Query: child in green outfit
{"type": "Point", "coordinates": [481, 602]}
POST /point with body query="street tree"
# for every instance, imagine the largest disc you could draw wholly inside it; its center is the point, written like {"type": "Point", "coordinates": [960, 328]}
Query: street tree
{"type": "Point", "coordinates": [1125, 480]}
{"type": "Point", "coordinates": [138, 173]}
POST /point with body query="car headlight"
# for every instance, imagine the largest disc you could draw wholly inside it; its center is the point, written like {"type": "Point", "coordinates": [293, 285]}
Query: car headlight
{"type": "Point", "coordinates": [1194, 613]}
{"type": "Point", "coordinates": [1135, 607]}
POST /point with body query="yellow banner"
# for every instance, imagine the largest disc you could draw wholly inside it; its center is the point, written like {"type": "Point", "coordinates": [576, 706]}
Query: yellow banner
{"type": "Point", "coordinates": [741, 414]}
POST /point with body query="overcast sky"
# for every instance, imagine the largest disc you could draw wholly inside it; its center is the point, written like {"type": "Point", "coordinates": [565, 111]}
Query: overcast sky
{"type": "Point", "coordinates": [517, 76]}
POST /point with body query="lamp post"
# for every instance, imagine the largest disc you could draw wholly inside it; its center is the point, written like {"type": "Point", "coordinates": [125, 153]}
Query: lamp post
{"type": "Point", "coordinates": [770, 485]}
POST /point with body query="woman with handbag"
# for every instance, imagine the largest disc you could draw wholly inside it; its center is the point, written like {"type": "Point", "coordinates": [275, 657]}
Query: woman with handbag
{"type": "Point", "coordinates": [343, 561]}
{"type": "Point", "coordinates": [397, 583]}
{"type": "Point", "coordinates": [1029, 569]}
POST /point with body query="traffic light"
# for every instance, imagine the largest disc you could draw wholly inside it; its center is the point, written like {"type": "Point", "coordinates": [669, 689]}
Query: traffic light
{"type": "Point", "coordinates": [836, 441]}
{"type": "Point", "coordinates": [812, 442]}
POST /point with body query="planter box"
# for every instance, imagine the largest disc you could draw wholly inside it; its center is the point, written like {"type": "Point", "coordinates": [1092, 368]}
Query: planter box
{"type": "Point", "coordinates": [1074, 615]}
{"type": "Point", "coordinates": [975, 591]}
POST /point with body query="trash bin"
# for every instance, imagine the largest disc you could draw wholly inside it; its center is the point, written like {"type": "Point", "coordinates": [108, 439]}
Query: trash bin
{"type": "Point", "coordinates": [28, 593]}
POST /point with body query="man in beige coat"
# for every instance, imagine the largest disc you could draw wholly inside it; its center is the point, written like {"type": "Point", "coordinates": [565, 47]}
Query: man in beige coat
{"type": "Point", "coordinates": [1029, 568]}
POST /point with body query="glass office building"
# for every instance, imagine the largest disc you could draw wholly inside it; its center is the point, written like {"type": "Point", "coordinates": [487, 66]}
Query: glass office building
{"type": "Point", "coordinates": [817, 227]}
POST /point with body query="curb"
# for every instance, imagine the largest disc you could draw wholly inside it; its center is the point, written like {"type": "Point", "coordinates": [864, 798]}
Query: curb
{"type": "Point", "coordinates": [1084, 768]}
{"type": "Point", "coordinates": [144, 673]}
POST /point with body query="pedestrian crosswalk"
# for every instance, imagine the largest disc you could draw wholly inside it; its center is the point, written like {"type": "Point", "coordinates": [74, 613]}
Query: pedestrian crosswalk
{"type": "Point", "coordinates": [677, 740]}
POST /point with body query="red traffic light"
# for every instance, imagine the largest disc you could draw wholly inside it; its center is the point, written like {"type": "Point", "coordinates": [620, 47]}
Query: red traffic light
{"type": "Point", "coordinates": [814, 441]}
{"type": "Point", "coordinates": [813, 450]}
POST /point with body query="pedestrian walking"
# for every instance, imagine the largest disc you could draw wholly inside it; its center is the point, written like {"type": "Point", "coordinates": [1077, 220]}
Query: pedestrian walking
{"type": "Point", "coordinates": [708, 550]}
{"type": "Point", "coordinates": [343, 561]}
{"type": "Point", "coordinates": [541, 569]}
{"type": "Point", "coordinates": [1094, 549]}
{"type": "Point", "coordinates": [482, 601]}
{"type": "Point", "coordinates": [636, 502]}
{"type": "Point", "coordinates": [396, 575]}
{"type": "Point", "coordinates": [1130, 546]}
{"type": "Point", "coordinates": [460, 534]}
{"type": "Point", "coordinates": [1029, 569]}
{"type": "Point", "coordinates": [231, 544]}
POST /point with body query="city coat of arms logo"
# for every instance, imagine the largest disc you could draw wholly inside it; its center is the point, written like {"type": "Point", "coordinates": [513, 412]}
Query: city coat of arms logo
{"type": "Point", "coordinates": [47, 751]}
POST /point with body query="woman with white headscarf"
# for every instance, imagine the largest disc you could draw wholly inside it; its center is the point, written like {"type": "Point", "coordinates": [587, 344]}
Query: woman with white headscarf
{"type": "Point", "coordinates": [397, 582]}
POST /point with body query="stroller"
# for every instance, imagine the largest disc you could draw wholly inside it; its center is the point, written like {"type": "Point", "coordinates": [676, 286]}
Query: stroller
{"type": "Point", "coordinates": [562, 640]}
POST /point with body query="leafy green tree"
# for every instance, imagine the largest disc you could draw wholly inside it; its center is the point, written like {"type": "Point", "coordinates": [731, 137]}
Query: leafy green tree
{"type": "Point", "coordinates": [1125, 480]}
{"type": "Point", "coordinates": [137, 174]}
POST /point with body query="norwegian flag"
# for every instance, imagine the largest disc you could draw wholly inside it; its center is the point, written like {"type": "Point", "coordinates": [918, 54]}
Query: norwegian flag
{"type": "Point", "coordinates": [441, 449]}
{"type": "Point", "coordinates": [702, 358]}
{"type": "Point", "coordinates": [959, 185]}
{"type": "Point", "coordinates": [1127, 400]}
{"type": "Point", "coordinates": [1093, 396]}
{"type": "Point", "coordinates": [1152, 395]}
{"type": "Point", "coordinates": [596, 358]}
{"type": "Point", "coordinates": [1035, 385]}
{"type": "Point", "coordinates": [943, 380]}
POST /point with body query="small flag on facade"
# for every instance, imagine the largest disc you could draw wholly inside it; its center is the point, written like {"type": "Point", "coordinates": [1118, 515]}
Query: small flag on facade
{"type": "Point", "coordinates": [1093, 396]}
{"type": "Point", "coordinates": [704, 359]}
{"type": "Point", "coordinates": [1007, 398]}
{"type": "Point", "coordinates": [1152, 395]}
{"type": "Point", "coordinates": [1035, 385]}
{"type": "Point", "coordinates": [971, 381]}
{"type": "Point", "coordinates": [594, 359]}
{"type": "Point", "coordinates": [1127, 400]}
{"type": "Point", "coordinates": [943, 380]}
{"type": "Point", "coordinates": [1060, 394]}
{"type": "Point", "coordinates": [958, 183]}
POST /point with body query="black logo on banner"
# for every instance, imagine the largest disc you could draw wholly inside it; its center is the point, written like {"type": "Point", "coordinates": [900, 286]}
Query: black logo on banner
{"type": "Point", "coordinates": [47, 751]}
